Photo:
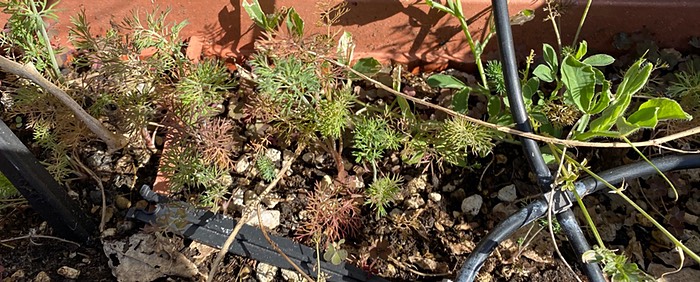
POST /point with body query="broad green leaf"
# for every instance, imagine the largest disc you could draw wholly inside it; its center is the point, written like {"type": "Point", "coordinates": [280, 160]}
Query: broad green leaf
{"type": "Point", "coordinates": [603, 99]}
{"type": "Point", "coordinates": [494, 106]}
{"type": "Point", "coordinates": [582, 50]}
{"type": "Point", "coordinates": [599, 60]}
{"type": "Point", "coordinates": [599, 76]}
{"type": "Point", "coordinates": [460, 100]}
{"type": "Point", "coordinates": [367, 66]}
{"type": "Point", "coordinates": [529, 90]}
{"type": "Point", "coordinates": [550, 56]}
{"type": "Point", "coordinates": [345, 48]}
{"type": "Point", "coordinates": [544, 73]}
{"type": "Point", "coordinates": [668, 109]}
{"type": "Point", "coordinates": [255, 12]}
{"type": "Point", "coordinates": [624, 127]}
{"type": "Point", "coordinates": [295, 24]}
{"type": "Point", "coordinates": [445, 81]}
{"type": "Point", "coordinates": [634, 79]}
{"type": "Point", "coordinates": [579, 80]}
{"type": "Point", "coordinates": [644, 118]}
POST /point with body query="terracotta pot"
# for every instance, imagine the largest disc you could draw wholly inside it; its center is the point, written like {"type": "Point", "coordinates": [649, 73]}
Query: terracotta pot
{"type": "Point", "coordinates": [405, 31]}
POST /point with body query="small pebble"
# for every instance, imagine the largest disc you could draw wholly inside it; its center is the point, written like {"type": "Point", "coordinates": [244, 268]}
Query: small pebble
{"type": "Point", "coordinates": [42, 277]}
{"type": "Point", "coordinates": [68, 272]}
{"type": "Point", "coordinates": [472, 204]}
{"type": "Point", "coordinates": [508, 193]}
{"type": "Point", "coordinates": [435, 197]}
{"type": "Point", "coordinates": [122, 202]}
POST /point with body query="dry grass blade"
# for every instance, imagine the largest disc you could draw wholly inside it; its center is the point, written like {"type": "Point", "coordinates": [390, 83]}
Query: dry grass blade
{"type": "Point", "coordinates": [248, 211]}
{"type": "Point", "coordinates": [277, 248]}
{"type": "Point", "coordinates": [113, 141]}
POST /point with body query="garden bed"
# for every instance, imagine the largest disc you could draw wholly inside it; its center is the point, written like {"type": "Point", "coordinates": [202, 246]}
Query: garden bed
{"type": "Point", "coordinates": [377, 180]}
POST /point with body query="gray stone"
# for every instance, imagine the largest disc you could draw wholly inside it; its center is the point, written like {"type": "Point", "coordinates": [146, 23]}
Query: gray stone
{"type": "Point", "coordinates": [291, 276]}
{"type": "Point", "coordinates": [242, 165]}
{"type": "Point", "coordinates": [265, 272]}
{"type": "Point", "coordinates": [270, 219]}
{"type": "Point", "coordinates": [435, 197]}
{"type": "Point", "coordinates": [472, 204]}
{"type": "Point", "coordinates": [508, 193]}
{"type": "Point", "coordinates": [448, 188]}
{"type": "Point", "coordinates": [274, 155]}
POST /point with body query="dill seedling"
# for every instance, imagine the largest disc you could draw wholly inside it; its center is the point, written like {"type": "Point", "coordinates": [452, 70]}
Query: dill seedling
{"type": "Point", "coordinates": [382, 192]}
{"type": "Point", "coordinates": [266, 168]}
{"type": "Point", "coordinates": [372, 136]}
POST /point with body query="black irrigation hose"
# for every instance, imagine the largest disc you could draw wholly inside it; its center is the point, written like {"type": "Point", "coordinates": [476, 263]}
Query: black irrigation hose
{"type": "Point", "coordinates": [36, 184]}
{"type": "Point", "coordinates": [517, 106]}
{"type": "Point", "coordinates": [586, 186]}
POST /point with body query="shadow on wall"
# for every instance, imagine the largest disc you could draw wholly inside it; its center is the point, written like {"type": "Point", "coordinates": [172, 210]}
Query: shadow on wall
{"type": "Point", "coordinates": [230, 31]}
{"type": "Point", "coordinates": [426, 31]}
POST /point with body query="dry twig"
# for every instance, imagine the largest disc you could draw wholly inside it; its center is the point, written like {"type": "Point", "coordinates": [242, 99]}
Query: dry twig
{"type": "Point", "coordinates": [32, 236]}
{"type": "Point", "coordinates": [249, 210]}
{"type": "Point", "coordinates": [279, 251]}
{"type": "Point", "coordinates": [114, 142]}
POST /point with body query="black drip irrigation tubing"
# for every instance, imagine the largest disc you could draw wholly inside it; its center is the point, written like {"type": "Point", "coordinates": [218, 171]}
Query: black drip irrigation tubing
{"type": "Point", "coordinates": [586, 186]}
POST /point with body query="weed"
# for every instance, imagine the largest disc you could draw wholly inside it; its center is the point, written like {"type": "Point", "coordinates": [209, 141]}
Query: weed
{"type": "Point", "coordinates": [26, 33]}
{"type": "Point", "coordinates": [334, 253]}
{"type": "Point", "coordinates": [382, 192]}
{"type": "Point", "coordinates": [616, 265]}
{"type": "Point", "coordinates": [217, 141]}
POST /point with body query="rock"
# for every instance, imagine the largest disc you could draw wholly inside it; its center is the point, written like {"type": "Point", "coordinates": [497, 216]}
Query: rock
{"type": "Point", "coordinates": [448, 188]}
{"type": "Point", "coordinates": [414, 202]}
{"type": "Point", "coordinates": [685, 274]}
{"type": "Point", "coordinates": [109, 232]}
{"type": "Point", "coordinates": [274, 155]}
{"type": "Point", "coordinates": [396, 212]}
{"type": "Point", "coordinates": [270, 219]}
{"type": "Point", "coordinates": [17, 275]}
{"type": "Point", "coordinates": [271, 200]}
{"type": "Point", "coordinates": [435, 197]}
{"type": "Point", "coordinates": [242, 165]}
{"type": "Point", "coordinates": [68, 272]}
{"type": "Point", "coordinates": [508, 193]}
{"type": "Point", "coordinates": [307, 157]}
{"type": "Point", "coordinates": [42, 277]}
{"type": "Point", "coordinates": [265, 272]}
{"type": "Point", "coordinates": [472, 204]}
{"type": "Point", "coordinates": [122, 202]}
{"type": "Point", "coordinates": [417, 184]}
{"type": "Point", "coordinates": [291, 276]}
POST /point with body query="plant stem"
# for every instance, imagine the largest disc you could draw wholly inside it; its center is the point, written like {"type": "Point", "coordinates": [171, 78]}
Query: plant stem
{"type": "Point", "coordinates": [583, 20]}
{"type": "Point", "coordinates": [43, 34]}
{"type": "Point", "coordinates": [589, 220]}
{"type": "Point", "coordinates": [477, 53]}
{"type": "Point", "coordinates": [675, 192]}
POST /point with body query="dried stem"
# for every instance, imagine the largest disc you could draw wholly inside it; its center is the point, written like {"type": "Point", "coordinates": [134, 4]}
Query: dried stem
{"type": "Point", "coordinates": [279, 251]}
{"type": "Point", "coordinates": [248, 211]}
{"type": "Point", "coordinates": [28, 71]}
{"type": "Point", "coordinates": [32, 236]}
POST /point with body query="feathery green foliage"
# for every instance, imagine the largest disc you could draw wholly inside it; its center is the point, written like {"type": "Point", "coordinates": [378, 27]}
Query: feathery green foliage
{"type": "Point", "coordinates": [382, 192]}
